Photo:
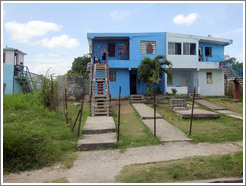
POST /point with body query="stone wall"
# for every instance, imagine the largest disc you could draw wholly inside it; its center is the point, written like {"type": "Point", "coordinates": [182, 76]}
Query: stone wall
{"type": "Point", "coordinates": [74, 86]}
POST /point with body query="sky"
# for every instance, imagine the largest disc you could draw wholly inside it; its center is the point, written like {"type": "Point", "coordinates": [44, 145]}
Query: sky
{"type": "Point", "coordinates": [53, 34]}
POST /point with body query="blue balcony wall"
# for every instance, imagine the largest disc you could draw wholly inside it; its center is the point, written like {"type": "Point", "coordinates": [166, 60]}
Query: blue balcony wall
{"type": "Point", "coordinates": [217, 52]}
{"type": "Point", "coordinates": [135, 39]}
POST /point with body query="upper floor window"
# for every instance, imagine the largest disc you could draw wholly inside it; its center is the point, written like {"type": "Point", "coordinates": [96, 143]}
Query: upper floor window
{"type": "Point", "coordinates": [112, 75]}
{"type": "Point", "coordinates": [174, 48]}
{"type": "Point", "coordinates": [148, 47]}
{"type": "Point", "coordinates": [3, 57]}
{"type": "Point", "coordinates": [208, 51]}
{"type": "Point", "coordinates": [189, 48]}
{"type": "Point", "coordinates": [111, 49]}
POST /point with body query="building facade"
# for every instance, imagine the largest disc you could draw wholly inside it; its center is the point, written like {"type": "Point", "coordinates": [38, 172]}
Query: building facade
{"type": "Point", "coordinates": [11, 59]}
{"type": "Point", "coordinates": [195, 61]}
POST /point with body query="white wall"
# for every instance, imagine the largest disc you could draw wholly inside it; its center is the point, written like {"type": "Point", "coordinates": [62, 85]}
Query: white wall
{"type": "Point", "coordinates": [180, 90]}
{"type": "Point", "coordinates": [182, 61]}
{"type": "Point", "coordinates": [217, 86]}
{"type": "Point", "coordinates": [10, 57]}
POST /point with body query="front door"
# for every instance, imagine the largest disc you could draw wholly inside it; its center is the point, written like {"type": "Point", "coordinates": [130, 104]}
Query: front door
{"type": "Point", "coordinates": [192, 81]}
{"type": "Point", "coordinates": [133, 83]}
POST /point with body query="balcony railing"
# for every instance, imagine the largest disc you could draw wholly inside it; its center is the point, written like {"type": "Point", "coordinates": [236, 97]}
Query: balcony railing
{"type": "Point", "coordinates": [213, 58]}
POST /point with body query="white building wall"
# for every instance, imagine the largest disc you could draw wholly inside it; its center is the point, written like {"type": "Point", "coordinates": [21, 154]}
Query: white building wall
{"type": "Point", "coordinates": [9, 57]}
{"type": "Point", "coordinates": [217, 86]}
{"type": "Point", "coordinates": [182, 61]}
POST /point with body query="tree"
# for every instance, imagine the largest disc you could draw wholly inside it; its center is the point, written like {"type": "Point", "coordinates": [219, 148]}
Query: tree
{"type": "Point", "coordinates": [79, 66]}
{"type": "Point", "coordinates": [150, 70]}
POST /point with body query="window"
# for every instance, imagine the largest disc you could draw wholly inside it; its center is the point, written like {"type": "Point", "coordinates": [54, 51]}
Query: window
{"type": "Point", "coordinates": [148, 47]}
{"type": "Point", "coordinates": [3, 57]}
{"type": "Point", "coordinates": [208, 51]}
{"type": "Point", "coordinates": [112, 75]}
{"type": "Point", "coordinates": [209, 78]}
{"type": "Point", "coordinates": [189, 48]}
{"type": "Point", "coordinates": [174, 48]}
{"type": "Point", "coordinates": [111, 49]}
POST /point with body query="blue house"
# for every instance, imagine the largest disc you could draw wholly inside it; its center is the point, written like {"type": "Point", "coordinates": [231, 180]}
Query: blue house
{"type": "Point", "coordinates": [16, 76]}
{"type": "Point", "coordinates": [195, 61]}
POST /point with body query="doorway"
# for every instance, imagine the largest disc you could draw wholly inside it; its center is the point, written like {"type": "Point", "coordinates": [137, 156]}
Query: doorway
{"type": "Point", "coordinates": [133, 83]}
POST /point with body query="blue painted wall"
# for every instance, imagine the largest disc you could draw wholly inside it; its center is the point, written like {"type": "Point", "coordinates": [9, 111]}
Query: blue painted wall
{"type": "Point", "coordinates": [123, 80]}
{"type": "Point", "coordinates": [8, 78]}
{"type": "Point", "coordinates": [217, 52]}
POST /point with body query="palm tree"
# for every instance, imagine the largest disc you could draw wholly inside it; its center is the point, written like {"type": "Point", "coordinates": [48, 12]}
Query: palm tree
{"type": "Point", "coordinates": [150, 70]}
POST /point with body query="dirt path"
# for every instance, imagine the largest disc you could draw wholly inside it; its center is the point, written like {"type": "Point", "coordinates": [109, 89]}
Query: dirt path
{"type": "Point", "coordinates": [103, 165]}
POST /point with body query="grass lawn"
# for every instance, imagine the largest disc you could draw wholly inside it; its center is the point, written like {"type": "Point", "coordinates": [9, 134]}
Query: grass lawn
{"type": "Point", "coordinates": [229, 104]}
{"type": "Point", "coordinates": [133, 132]}
{"type": "Point", "coordinates": [188, 169]}
{"type": "Point", "coordinates": [33, 136]}
{"type": "Point", "coordinates": [214, 130]}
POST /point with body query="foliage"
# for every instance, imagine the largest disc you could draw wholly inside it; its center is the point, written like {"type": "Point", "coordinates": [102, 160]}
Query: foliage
{"type": "Point", "coordinates": [33, 136]}
{"type": "Point", "coordinates": [174, 91]}
{"type": "Point", "coordinates": [188, 169]}
{"type": "Point", "coordinates": [79, 66]}
{"type": "Point", "coordinates": [49, 92]}
{"type": "Point", "coordinates": [150, 70]}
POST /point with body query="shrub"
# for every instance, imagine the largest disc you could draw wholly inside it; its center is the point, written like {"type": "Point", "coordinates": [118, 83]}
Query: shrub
{"type": "Point", "coordinates": [174, 91]}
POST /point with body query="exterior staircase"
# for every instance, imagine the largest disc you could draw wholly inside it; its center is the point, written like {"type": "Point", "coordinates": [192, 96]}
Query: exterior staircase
{"type": "Point", "coordinates": [233, 73]}
{"type": "Point", "coordinates": [137, 98]}
{"type": "Point", "coordinates": [24, 77]}
{"type": "Point", "coordinates": [99, 90]}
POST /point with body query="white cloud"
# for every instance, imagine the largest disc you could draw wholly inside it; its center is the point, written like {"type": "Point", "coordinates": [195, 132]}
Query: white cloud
{"type": "Point", "coordinates": [55, 69]}
{"type": "Point", "coordinates": [119, 15]}
{"type": "Point", "coordinates": [230, 32]}
{"type": "Point", "coordinates": [63, 41]}
{"type": "Point", "coordinates": [186, 20]}
{"type": "Point", "coordinates": [24, 32]}
{"type": "Point", "coordinates": [53, 55]}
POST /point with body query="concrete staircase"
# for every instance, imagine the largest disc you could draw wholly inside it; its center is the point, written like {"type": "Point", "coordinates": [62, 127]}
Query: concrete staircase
{"type": "Point", "coordinates": [98, 133]}
{"type": "Point", "coordinates": [100, 90]}
{"type": "Point", "coordinates": [137, 98]}
{"type": "Point", "coordinates": [231, 74]}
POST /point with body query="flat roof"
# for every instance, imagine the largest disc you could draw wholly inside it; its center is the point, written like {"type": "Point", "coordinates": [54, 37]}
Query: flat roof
{"type": "Point", "coordinates": [13, 49]}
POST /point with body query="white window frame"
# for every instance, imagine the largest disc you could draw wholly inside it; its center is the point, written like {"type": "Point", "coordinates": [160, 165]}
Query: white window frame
{"type": "Point", "coordinates": [112, 76]}
{"type": "Point", "coordinates": [209, 77]}
{"type": "Point", "coordinates": [174, 49]}
{"type": "Point", "coordinates": [189, 47]}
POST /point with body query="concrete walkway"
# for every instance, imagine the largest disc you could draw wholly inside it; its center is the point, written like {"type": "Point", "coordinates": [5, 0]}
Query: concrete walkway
{"type": "Point", "coordinates": [209, 105]}
{"type": "Point", "coordinates": [219, 109]}
{"type": "Point", "coordinates": [197, 114]}
{"type": "Point", "coordinates": [102, 166]}
{"type": "Point", "coordinates": [145, 111]}
{"type": "Point", "coordinates": [164, 130]}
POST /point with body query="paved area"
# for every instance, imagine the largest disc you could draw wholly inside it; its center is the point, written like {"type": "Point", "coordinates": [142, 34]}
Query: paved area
{"type": "Point", "coordinates": [165, 131]}
{"type": "Point", "coordinates": [209, 105]}
{"type": "Point", "coordinates": [98, 132]}
{"type": "Point", "coordinates": [230, 113]}
{"type": "Point", "coordinates": [145, 111]}
{"type": "Point", "coordinates": [98, 125]}
{"type": "Point", "coordinates": [197, 113]}
{"type": "Point", "coordinates": [103, 165]}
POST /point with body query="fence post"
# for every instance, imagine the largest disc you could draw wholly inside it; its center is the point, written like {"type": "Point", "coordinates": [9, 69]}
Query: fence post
{"type": "Point", "coordinates": [66, 115]}
{"type": "Point", "coordinates": [154, 111]}
{"type": "Point", "coordinates": [118, 137]}
{"type": "Point", "coordinates": [191, 117]}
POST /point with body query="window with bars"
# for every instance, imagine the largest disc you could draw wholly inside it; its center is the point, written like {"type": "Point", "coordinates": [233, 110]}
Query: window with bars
{"type": "Point", "coordinates": [112, 76]}
{"type": "Point", "coordinates": [174, 48]}
{"type": "Point", "coordinates": [148, 47]}
{"type": "Point", "coordinates": [209, 78]}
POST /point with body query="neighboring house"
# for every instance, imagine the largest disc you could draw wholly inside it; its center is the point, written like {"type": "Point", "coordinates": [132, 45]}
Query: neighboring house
{"type": "Point", "coordinates": [16, 76]}
{"type": "Point", "coordinates": [195, 61]}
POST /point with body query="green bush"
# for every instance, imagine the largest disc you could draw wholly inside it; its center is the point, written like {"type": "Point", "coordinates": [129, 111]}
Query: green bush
{"type": "Point", "coordinates": [33, 136]}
